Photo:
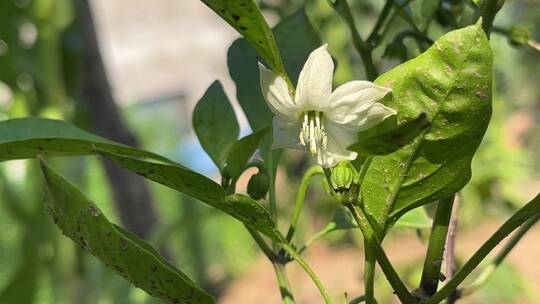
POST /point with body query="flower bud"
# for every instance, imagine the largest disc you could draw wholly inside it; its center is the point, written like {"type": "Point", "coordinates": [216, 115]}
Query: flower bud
{"type": "Point", "coordinates": [344, 182]}
{"type": "Point", "coordinates": [258, 185]}
{"type": "Point", "coordinates": [518, 35]}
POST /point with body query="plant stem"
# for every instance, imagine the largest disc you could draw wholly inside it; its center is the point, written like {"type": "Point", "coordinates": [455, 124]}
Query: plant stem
{"type": "Point", "coordinates": [374, 36]}
{"type": "Point", "coordinates": [315, 237]}
{"type": "Point", "coordinates": [300, 197]}
{"type": "Point", "coordinates": [369, 274]}
{"type": "Point", "coordinates": [272, 186]}
{"type": "Point", "coordinates": [375, 245]}
{"type": "Point", "coordinates": [488, 271]}
{"type": "Point", "coordinates": [283, 283]}
{"type": "Point", "coordinates": [526, 212]}
{"type": "Point", "coordinates": [300, 260]}
{"type": "Point", "coordinates": [262, 244]}
{"type": "Point", "coordinates": [358, 300]}
{"type": "Point", "coordinates": [435, 249]}
{"type": "Point", "coordinates": [363, 48]}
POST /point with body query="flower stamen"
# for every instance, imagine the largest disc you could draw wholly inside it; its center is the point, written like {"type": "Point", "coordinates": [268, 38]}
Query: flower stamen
{"type": "Point", "coordinates": [313, 134]}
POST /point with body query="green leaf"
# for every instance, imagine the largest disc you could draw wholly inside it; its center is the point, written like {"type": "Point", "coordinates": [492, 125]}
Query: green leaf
{"type": "Point", "coordinates": [387, 137]}
{"type": "Point", "coordinates": [215, 124]}
{"type": "Point", "coordinates": [242, 151]}
{"type": "Point", "coordinates": [451, 84]}
{"type": "Point", "coordinates": [246, 18]}
{"type": "Point", "coordinates": [31, 137]}
{"type": "Point", "coordinates": [296, 38]}
{"type": "Point", "coordinates": [415, 219]}
{"type": "Point", "coordinates": [200, 187]}
{"type": "Point", "coordinates": [125, 253]}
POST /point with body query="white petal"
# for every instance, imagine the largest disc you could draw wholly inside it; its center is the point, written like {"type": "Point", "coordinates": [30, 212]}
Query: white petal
{"type": "Point", "coordinates": [372, 116]}
{"type": "Point", "coordinates": [285, 134]}
{"type": "Point", "coordinates": [350, 100]}
{"type": "Point", "coordinates": [315, 81]}
{"type": "Point", "coordinates": [276, 93]}
{"type": "Point", "coordinates": [339, 138]}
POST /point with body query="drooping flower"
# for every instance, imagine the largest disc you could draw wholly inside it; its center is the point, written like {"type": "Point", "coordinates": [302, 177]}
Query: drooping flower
{"type": "Point", "coordinates": [317, 119]}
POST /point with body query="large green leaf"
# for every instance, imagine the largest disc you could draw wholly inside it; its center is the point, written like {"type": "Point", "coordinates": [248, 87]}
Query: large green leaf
{"type": "Point", "coordinates": [29, 137]}
{"type": "Point", "coordinates": [296, 38]}
{"type": "Point", "coordinates": [202, 188]}
{"type": "Point", "coordinates": [246, 18]}
{"type": "Point", "coordinates": [215, 124]}
{"type": "Point", "coordinates": [125, 253]}
{"type": "Point", "coordinates": [451, 84]}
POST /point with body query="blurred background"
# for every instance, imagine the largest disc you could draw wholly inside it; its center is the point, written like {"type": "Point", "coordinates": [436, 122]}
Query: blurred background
{"type": "Point", "coordinates": [133, 70]}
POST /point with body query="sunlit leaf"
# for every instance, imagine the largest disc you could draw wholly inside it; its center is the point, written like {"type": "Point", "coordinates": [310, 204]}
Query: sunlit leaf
{"type": "Point", "coordinates": [451, 84]}
{"type": "Point", "coordinates": [29, 137]}
{"type": "Point", "coordinates": [246, 18]}
{"type": "Point", "coordinates": [200, 187]}
{"type": "Point", "coordinates": [125, 253]}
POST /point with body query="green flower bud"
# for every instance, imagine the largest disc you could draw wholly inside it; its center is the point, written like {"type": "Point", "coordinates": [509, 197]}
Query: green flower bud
{"type": "Point", "coordinates": [518, 36]}
{"type": "Point", "coordinates": [344, 182]}
{"type": "Point", "coordinates": [258, 185]}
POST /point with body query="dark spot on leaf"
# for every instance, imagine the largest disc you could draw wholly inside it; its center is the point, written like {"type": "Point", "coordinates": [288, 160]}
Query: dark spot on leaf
{"type": "Point", "coordinates": [243, 28]}
{"type": "Point", "coordinates": [235, 17]}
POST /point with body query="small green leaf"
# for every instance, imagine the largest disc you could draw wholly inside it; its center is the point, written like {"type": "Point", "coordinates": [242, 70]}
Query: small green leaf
{"type": "Point", "coordinates": [451, 84]}
{"type": "Point", "coordinates": [415, 219]}
{"type": "Point", "coordinates": [242, 151]}
{"type": "Point", "coordinates": [200, 187]}
{"type": "Point", "coordinates": [215, 124]}
{"type": "Point", "coordinates": [125, 253]}
{"type": "Point", "coordinates": [246, 18]}
{"type": "Point", "coordinates": [29, 137]}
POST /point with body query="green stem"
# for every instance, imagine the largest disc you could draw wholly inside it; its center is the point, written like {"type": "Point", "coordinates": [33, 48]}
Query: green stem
{"type": "Point", "coordinates": [363, 48]}
{"type": "Point", "coordinates": [300, 197]}
{"type": "Point", "coordinates": [486, 273]}
{"type": "Point", "coordinates": [375, 245]}
{"type": "Point", "coordinates": [526, 212]}
{"type": "Point", "coordinates": [435, 249]}
{"type": "Point", "coordinates": [369, 274]}
{"type": "Point", "coordinates": [272, 187]}
{"type": "Point", "coordinates": [358, 300]}
{"type": "Point", "coordinates": [374, 36]}
{"type": "Point", "coordinates": [488, 10]}
{"type": "Point", "coordinates": [315, 237]}
{"type": "Point", "coordinates": [298, 258]}
{"type": "Point", "coordinates": [268, 252]}
{"type": "Point", "coordinates": [283, 283]}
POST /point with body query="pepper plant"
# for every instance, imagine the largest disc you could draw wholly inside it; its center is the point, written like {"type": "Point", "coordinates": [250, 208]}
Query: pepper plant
{"type": "Point", "coordinates": [385, 146]}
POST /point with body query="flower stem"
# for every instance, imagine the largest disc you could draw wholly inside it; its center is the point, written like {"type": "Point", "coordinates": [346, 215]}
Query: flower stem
{"type": "Point", "coordinates": [435, 249]}
{"type": "Point", "coordinates": [526, 212]}
{"type": "Point", "coordinates": [375, 245]}
{"type": "Point", "coordinates": [369, 274]}
{"type": "Point", "coordinates": [300, 197]}
{"type": "Point", "coordinates": [300, 260]}
{"type": "Point", "coordinates": [283, 283]}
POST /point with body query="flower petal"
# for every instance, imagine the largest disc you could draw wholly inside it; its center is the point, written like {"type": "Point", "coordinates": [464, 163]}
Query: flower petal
{"type": "Point", "coordinates": [276, 93]}
{"type": "Point", "coordinates": [315, 80]}
{"type": "Point", "coordinates": [339, 138]}
{"type": "Point", "coordinates": [351, 99]}
{"type": "Point", "coordinates": [374, 115]}
{"type": "Point", "coordinates": [285, 134]}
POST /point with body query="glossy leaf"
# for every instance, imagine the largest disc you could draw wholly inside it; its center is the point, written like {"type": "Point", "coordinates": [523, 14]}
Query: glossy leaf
{"type": "Point", "coordinates": [247, 19]}
{"type": "Point", "coordinates": [215, 124]}
{"type": "Point", "coordinates": [125, 253]}
{"type": "Point", "coordinates": [296, 38]}
{"type": "Point", "coordinates": [29, 137]}
{"type": "Point", "coordinates": [242, 151]}
{"type": "Point", "coordinates": [200, 187]}
{"type": "Point", "coordinates": [451, 84]}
